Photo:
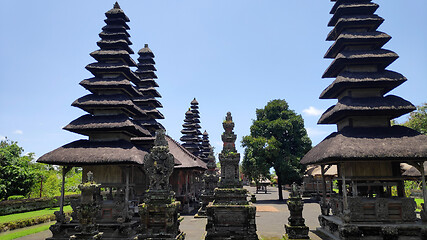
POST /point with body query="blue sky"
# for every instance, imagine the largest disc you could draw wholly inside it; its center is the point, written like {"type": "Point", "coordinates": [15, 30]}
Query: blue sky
{"type": "Point", "coordinates": [231, 55]}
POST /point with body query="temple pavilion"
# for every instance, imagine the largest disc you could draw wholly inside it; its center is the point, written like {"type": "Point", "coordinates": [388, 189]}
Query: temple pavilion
{"type": "Point", "coordinates": [368, 151]}
{"type": "Point", "coordinates": [120, 124]}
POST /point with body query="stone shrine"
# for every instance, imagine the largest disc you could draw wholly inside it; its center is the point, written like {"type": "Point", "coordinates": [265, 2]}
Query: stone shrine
{"type": "Point", "coordinates": [296, 228]}
{"type": "Point", "coordinates": [230, 215]}
{"type": "Point", "coordinates": [159, 212]}
{"type": "Point", "coordinates": [210, 180]}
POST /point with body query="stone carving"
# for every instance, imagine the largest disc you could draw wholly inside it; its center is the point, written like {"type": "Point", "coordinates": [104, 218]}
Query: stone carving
{"type": "Point", "coordinates": [87, 210]}
{"type": "Point", "coordinates": [159, 212]}
{"type": "Point", "coordinates": [296, 228]}
{"type": "Point", "coordinates": [230, 215]}
{"type": "Point", "coordinates": [210, 180]}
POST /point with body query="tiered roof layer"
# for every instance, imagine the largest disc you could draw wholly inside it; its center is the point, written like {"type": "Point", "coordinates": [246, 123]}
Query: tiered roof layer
{"type": "Point", "coordinates": [191, 134]}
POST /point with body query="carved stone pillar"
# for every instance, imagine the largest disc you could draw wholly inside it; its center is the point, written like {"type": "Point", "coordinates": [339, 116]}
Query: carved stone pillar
{"type": "Point", "coordinates": [296, 228]}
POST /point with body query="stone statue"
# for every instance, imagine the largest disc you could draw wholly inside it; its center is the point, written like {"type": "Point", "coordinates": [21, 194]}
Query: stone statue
{"type": "Point", "coordinates": [296, 228]}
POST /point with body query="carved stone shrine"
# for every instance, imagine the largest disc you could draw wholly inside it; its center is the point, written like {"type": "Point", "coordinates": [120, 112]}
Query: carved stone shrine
{"type": "Point", "coordinates": [230, 215]}
{"type": "Point", "coordinates": [296, 228]}
{"type": "Point", "coordinates": [159, 212]}
{"type": "Point", "coordinates": [210, 180]}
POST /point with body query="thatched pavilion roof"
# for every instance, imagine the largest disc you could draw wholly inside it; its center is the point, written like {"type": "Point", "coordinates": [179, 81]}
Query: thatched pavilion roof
{"type": "Point", "coordinates": [395, 143]}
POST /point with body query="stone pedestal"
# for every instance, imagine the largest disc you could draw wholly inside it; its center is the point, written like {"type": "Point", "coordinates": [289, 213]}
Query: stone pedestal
{"type": "Point", "coordinates": [210, 180]}
{"type": "Point", "coordinates": [230, 215]}
{"type": "Point", "coordinates": [159, 212]}
{"type": "Point", "coordinates": [296, 228]}
{"type": "Point", "coordinates": [88, 210]}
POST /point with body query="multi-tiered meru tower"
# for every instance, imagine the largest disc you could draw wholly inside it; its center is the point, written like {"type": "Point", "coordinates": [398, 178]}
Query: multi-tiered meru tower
{"type": "Point", "coordinates": [147, 101]}
{"type": "Point", "coordinates": [366, 148]}
{"type": "Point", "coordinates": [109, 124]}
{"type": "Point", "coordinates": [191, 130]}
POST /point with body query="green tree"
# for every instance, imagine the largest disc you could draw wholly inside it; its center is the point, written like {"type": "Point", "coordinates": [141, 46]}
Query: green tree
{"type": "Point", "coordinates": [278, 139]}
{"type": "Point", "coordinates": [18, 173]}
{"type": "Point", "coordinates": [418, 120]}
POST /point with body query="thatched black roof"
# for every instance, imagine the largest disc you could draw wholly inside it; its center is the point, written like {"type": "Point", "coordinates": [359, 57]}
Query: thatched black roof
{"type": "Point", "coordinates": [105, 55]}
{"type": "Point", "coordinates": [92, 102]}
{"type": "Point", "coordinates": [391, 105]}
{"type": "Point", "coordinates": [370, 23]}
{"type": "Point", "coordinates": [89, 124]}
{"type": "Point", "coordinates": [380, 58]}
{"type": "Point", "coordinates": [395, 143]}
{"type": "Point", "coordinates": [85, 152]}
{"type": "Point", "coordinates": [98, 85]}
{"type": "Point", "coordinates": [352, 9]}
{"type": "Point", "coordinates": [386, 80]}
{"type": "Point", "coordinates": [341, 2]}
{"type": "Point", "coordinates": [187, 159]}
{"type": "Point", "coordinates": [374, 39]}
{"type": "Point", "coordinates": [100, 69]}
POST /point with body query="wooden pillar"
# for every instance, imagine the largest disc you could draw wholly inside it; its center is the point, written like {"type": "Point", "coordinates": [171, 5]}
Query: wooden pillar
{"type": "Point", "coordinates": [127, 186]}
{"type": "Point", "coordinates": [65, 169]}
{"type": "Point", "coordinates": [344, 188]}
{"type": "Point", "coordinates": [322, 168]}
{"type": "Point", "coordinates": [423, 180]}
{"type": "Point", "coordinates": [354, 188]}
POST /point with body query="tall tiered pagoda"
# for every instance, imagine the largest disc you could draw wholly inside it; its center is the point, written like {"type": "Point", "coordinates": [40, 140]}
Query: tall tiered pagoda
{"type": "Point", "coordinates": [191, 134]}
{"type": "Point", "coordinates": [108, 152]}
{"type": "Point", "coordinates": [366, 148]}
{"type": "Point", "coordinates": [147, 101]}
{"type": "Point", "coordinates": [205, 147]}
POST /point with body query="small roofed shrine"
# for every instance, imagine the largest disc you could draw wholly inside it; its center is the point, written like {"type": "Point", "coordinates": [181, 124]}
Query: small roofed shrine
{"type": "Point", "coordinates": [230, 215]}
{"type": "Point", "coordinates": [191, 134]}
{"type": "Point", "coordinates": [108, 152]}
{"type": "Point", "coordinates": [366, 148]}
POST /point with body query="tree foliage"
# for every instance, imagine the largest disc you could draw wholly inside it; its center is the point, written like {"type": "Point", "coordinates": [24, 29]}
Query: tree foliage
{"type": "Point", "coordinates": [18, 173]}
{"type": "Point", "coordinates": [418, 120]}
{"type": "Point", "coordinates": [278, 139]}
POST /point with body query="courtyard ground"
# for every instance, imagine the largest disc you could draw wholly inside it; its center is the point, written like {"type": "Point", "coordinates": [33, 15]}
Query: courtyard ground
{"type": "Point", "coordinates": [271, 217]}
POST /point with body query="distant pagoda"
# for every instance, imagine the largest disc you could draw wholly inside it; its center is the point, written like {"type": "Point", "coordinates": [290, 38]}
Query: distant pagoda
{"type": "Point", "coordinates": [205, 147]}
{"type": "Point", "coordinates": [108, 153]}
{"type": "Point", "coordinates": [366, 148]}
{"type": "Point", "coordinates": [147, 101]}
{"type": "Point", "coordinates": [191, 134]}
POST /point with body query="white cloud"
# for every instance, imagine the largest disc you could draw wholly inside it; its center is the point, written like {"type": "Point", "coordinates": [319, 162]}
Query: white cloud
{"type": "Point", "coordinates": [312, 111]}
{"type": "Point", "coordinates": [20, 132]}
{"type": "Point", "coordinates": [312, 132]}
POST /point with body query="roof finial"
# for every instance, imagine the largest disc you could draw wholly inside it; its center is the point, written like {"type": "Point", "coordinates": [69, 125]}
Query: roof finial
{"type": "Point", "coordinates": [116, 5]}
{"type": "Point", "coordinates": [146, 45]}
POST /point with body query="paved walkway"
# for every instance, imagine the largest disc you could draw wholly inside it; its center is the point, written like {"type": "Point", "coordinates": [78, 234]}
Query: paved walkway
{"type": "Point", "coordinates": [271, 217]}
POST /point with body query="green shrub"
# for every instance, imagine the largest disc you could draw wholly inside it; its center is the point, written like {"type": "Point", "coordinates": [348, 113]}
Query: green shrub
{"type": "Point", "coordinates": [15, 197]}
{"type": "Point", "coordinates": [21, 223]}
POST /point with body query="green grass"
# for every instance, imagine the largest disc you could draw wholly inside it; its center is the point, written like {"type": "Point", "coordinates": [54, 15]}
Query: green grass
{"type": "Point", "coordinates": [25, 232]}
{"type": "Point", "coordinates": [17, 216]}
{"type": "Point", "coordinates": [419, 201]}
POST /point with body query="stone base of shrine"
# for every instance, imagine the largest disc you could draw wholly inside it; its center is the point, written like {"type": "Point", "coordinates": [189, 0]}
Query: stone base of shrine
{"type": "Point", "coordinates": [206, 199]}
{"type": "Point", "coordinates": [110, 231]}
{"type": "Point", "coordinates": [231, 222]}
{"type": "Point", "coordinates": [335, 228]}
{"type": "Point", "coordinates": [296, 232]}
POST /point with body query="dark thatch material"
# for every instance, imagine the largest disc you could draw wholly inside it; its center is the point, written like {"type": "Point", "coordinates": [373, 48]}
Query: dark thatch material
{"type": "Point", "coordinates": [380, 58]}
{"type": "Point", "coordinates": [147, 101]}
{"type": "Point", "coordinates": [352, 9]}
{"type": "Point", "coordinates": [92, 101]}
{"type": "Point", "coordinates": [371, 23]}
{"type": "Point", "coordinates": [117, 12]}
{"type": "Point", "coordinates": [113, 44]}
{"type": "Point", "coordinates": [100, 69]}
{"type": "Point", "coordinates": [104, 55]}
{"type": "Point", "coordinates": [97, 85]}
{"type": "Point", "coordinates": [187, 159]}
{"type": "Point", "coordinates": [391, 105]}
{"type": "Point", "coordinates": [341, 2]}
{"type": "Point", "coordinates": [387, 80]}
{"type": "Point", "coordinates": [85, 152]}
{"type": "Point", "coordinates": [374, 39]}
{"type": "Point", "coordinates": [395, 143]}
{"type": "Point", "coordinates": [88, 124]}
